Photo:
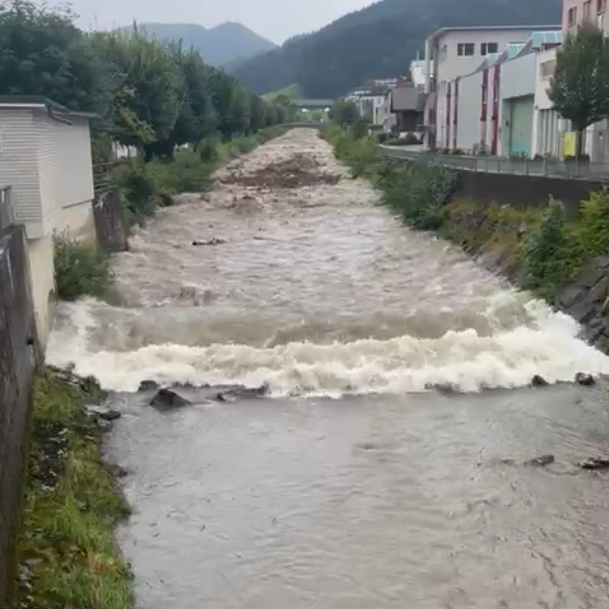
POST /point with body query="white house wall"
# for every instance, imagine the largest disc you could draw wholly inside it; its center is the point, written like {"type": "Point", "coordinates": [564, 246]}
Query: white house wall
{"type": "Point", "coordinates": [75, 164]}
{"type": "Point", "coordinates": [518, 76]}
{"type": "Point", "coordinates": [468, 124]}
{"type": "Point", "coordinates": [19, 167]}
{"type": "Point", "coordinates": [48, 170]}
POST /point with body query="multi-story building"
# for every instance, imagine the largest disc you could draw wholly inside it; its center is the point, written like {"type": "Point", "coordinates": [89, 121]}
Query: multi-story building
{"type": "Point", "coordinates": [580, 12]}
{"type": "Point", "coordinates": [454, 52]}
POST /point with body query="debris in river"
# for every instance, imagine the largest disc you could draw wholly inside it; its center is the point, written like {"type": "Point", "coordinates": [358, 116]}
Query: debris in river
{"type": "Point", "coordinates": [166, 399]}
{"type": "Point", "coordinates": [541, 461]}
{"type": "Point", "coordinates": [595, 463]}
{"type": "Point", "coordinates": [212, 241]}
{"type": "Point", "coordinates": [587, 380]}
{"type": "Point", "coordinates": [103, 412]}
{"type": "Point", "coordinates": [539, 381]}
{"type": "Point", "coordinates": [295, 172]}
{"type": "Point", "coordinates": [231, 394]}
{"type": "Point", "coordinates": [147, 385]}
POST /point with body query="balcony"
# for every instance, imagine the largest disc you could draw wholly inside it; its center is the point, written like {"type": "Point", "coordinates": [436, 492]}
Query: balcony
{"type": "Point", "coordinates": [7, 217]}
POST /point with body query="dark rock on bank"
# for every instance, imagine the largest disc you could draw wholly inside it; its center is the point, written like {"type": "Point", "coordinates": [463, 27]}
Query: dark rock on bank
{"type": "Point", "coordinates": [595, 463]}
{"type": "Point", "coordinates": [539, 381]}
{"type": "Point", "coordinates": [587, 380]}
{"type": "Point", "coordinates": [166, 399]}
{"type": "Point", "coordinates": [148, 385]}
{"type": "Point", "coordinates": [232, 394]}
{"type": "Point", "coordinates": [540, 461]}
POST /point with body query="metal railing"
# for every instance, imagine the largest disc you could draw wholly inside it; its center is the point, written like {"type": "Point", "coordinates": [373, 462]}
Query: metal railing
{"type": "Point", "coordinates": [494, 164]}
{"type": "Point", "coordinates": [7, 215]}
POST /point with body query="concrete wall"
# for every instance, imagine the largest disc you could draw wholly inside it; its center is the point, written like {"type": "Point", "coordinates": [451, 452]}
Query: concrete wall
{"type": "Point", "coordinates": [42, 271]}
{"type": "Point", "coordinates": [18, 356]}
{"type": "Point", "coordinates": [523, 191]}
{"type": "Point", "coordinates": [78, 222]}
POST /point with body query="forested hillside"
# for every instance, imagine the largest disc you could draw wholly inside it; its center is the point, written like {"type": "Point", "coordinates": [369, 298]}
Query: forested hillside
{"type": "Point", "coordinates": [379, 41]}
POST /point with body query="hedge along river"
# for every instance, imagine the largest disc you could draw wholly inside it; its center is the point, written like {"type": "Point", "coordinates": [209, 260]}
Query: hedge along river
{"type": "Point", "coordinates": [290, 274]}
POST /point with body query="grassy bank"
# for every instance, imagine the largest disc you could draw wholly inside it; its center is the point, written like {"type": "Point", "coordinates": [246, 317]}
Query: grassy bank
{"type": "Point", "coordinates": [537, 248]}
{"type": "Point", "coordinates": [67, 553]}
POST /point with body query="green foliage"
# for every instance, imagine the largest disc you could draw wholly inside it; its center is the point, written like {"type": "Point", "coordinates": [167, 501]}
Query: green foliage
{"type": "Point", "coordinates": [150, 94]}
{"type": "Point", "coordinates": [140, 190]}
{"type": "Point", "coordinates": [579, 88]}
{"type": "Point", "coordinates": [344, 113]}
{"type": "Point", "coordinates": [81, 269]}
{"type": "Point", "coordinates": [68, 521]}
{"type": "Point", "coordinates": [185, 173]}
{"type": "Point", "coordinates": [547, 254]}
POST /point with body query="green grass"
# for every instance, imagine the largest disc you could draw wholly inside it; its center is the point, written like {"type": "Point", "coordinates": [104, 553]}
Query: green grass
{"type": "Point", "coordinates": [293, 91]}
{"type": "Point", "coordinates": [69, 528]}
{"type": "Point", "coordinates": [81, 269]}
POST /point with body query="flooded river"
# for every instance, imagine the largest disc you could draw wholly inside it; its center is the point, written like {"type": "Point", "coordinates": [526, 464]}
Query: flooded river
{"type": "Point", "coordinates": [386, 468]}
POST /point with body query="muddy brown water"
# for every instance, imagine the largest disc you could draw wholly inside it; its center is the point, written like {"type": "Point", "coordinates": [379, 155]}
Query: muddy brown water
{"type": "Point", "coordinates": [354, 484]}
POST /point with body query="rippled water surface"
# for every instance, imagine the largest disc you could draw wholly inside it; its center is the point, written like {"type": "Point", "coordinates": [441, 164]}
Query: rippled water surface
{"type": "Point", "coordinates": [394, 495]}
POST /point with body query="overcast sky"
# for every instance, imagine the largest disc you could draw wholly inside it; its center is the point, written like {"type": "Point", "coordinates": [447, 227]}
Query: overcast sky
{"type": "Point", "coordinates": [273, 19]}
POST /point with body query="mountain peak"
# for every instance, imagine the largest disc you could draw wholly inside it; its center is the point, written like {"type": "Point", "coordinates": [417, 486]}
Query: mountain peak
{"type": "Point", "coordinates": [219, 45]}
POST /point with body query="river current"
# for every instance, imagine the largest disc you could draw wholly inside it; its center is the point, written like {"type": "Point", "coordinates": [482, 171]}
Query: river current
{"type": "Point", "coordinates": [386, 468]}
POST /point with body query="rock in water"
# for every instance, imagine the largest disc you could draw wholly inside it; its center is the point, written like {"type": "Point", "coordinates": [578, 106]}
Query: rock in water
{"type": "Point", "coordinates": [587, 380]}
{"type": "Point", "coordinates": [166, 399]}
{"type": "Point", "coordinates": [148, 385]}
{"type": "Point", "coordinates": [595, 463]}
{"type": "Point", "coordinates": [540, 461]}
{"type": "Point", "coordinates": [539, 381]}
{"type": "Point", "coordinates": [101, 412]}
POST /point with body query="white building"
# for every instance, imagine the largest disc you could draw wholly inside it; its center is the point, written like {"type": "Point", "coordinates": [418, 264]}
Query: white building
{"type": "Point", "coordinates": [452, 53]}
{"type": "Point", "coordinates": [45, 159]}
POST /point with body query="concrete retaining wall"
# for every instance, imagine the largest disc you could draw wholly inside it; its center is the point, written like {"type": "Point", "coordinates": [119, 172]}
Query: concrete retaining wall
{"type": "Point", "coordinates": [19, 352]}
{"type": "Point", "coordinates": [522, 191]}
{"type": "Point", "coordinates": [108, 212]}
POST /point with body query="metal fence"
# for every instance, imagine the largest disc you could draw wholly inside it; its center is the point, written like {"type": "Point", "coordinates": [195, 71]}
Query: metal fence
{"type": "Point", "coordinates": [493, 164]}
{"type": "Point", "coordinates": [7, 216]}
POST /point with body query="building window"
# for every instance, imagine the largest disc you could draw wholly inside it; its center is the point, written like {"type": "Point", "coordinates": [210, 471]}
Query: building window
{"type": "Point", "coordinates": [488, 48]}
{"type": "Point", "coordinates": [465, 49]}
{"type": "Point", "coordinates": [572, 16]}
{"type": "Point", "coordinates": [601, 5]}
{"type": "Point", "coordinates": [587, 10]}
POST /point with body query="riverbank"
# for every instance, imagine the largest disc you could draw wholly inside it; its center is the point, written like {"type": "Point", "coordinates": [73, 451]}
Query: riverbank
{"type": "Point", "coordinates": [540, 249]}
{"type": "Point", "coordinates": [67, 555]}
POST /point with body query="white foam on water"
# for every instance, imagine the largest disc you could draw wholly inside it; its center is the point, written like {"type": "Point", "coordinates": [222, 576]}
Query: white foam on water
{"type": "Point", "coordinates": [545, 344]}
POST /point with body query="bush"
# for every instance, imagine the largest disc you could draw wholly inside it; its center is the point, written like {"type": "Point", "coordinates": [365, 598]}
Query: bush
{"type": "Point", "coordinates": [185, 173]}
{"type": "Point", "coordinates": [140, 191]}
{"type": "Point", "coordinates": [81, 269]}
{"type": "Point", "coordinates": [382, 138]}
{"type": "Point", "coordinates": [208, 150]}
{"type": "Point", "coordinates": [418, 191]}
{"type": "Point", "coordinates": [411, 139]}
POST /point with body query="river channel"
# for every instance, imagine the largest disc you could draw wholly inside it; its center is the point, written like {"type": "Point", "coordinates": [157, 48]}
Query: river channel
{"type": "Point", "coordinates": [386, 467]}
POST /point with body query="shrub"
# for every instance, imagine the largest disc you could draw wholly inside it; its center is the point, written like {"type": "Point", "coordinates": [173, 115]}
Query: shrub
{"type": "Point", "coordinates": [418, 191]}
{"type": "Point", "coordinates": [382, 138]}
{"type": "Point", "coordinates": [548, 253]}
{"type": "Point", "coordinates": [185, 173]}
{"type": "Point", "coordinates": [208, 150]}
{"type": "Point", "coordinates": [81, 269]}
{"type": "Point", "coordinates": [140, 191]}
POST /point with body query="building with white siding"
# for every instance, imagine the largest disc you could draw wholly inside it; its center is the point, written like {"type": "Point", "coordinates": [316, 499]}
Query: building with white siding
{"type": "Point", "coordinates": [45, 159]}
{"type": "Point", "coordinates": [455, 52]}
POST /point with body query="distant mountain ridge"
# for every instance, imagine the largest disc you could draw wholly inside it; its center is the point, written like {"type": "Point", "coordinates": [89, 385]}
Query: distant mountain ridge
{"type": "Point", "coordinates": [379, 42]}
{"type": "Point", "coordinates": [228, 43]}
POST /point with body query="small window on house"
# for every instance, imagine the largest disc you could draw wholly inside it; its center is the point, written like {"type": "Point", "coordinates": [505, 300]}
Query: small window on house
{"type": "Point", "coordinates": [466, 49]}
{"type": "Point", "coordinates": [601, 5]}
{"type": "Point", "coordinates": [587, 10]}
{"type": "Point", "coordinates": [488, 48]}
{"type": "Point", "coordinates": [572, 16]}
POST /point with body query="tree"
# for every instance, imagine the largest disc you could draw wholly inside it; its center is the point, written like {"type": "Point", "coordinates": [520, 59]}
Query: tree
{"type": "Point", "coordinates": [579, 88]}
{"type": "Point", "coordinates": [344, 112]}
